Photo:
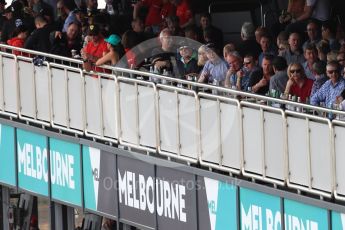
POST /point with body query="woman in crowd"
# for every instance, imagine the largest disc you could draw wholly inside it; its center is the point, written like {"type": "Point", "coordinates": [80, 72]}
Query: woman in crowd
{"type": "Point", "coordinates": [298, 84]}
{"type": "Point", "coordinates": [115, 51]}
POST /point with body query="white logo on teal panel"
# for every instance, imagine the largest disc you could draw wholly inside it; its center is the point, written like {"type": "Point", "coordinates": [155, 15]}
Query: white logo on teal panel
{"type": "Point", "coordinates": [302, 216]}
{"type": "Point", "coordinates": [95, 164]}
{"type": "Point", "coordinates": [259, 210]}
{"type": "Point", "coordinates": [221, 200]}
{"type": "Point", "coordinates": [7, 155]}
{"type": "Point", "coordinates": [338, 221]}
{"type": "Point", "coordinates": [32, 162]}
{"type": "Point", "coordinates": [91, 165]}
{"type": "Point", "coordinates": [212, 200]}
{"type": "Point", "coordinates": [65, 171]}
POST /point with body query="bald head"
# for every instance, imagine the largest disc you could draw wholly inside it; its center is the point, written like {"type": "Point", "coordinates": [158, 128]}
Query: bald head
{"type": "Point", "coordinates": [294, 41]}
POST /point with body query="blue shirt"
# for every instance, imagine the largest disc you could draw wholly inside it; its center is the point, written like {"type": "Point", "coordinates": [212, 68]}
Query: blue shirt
{"type": "Point", "coordinates": [328, 92]}
{"type": "Point", "coordinates": [308, 72]}
{"type": "Point", "coordinates": [70, 18]}
{"type": "Point", "coordinates": [216, 70]}
{"type": "Point", "coordinates": [244, 79]}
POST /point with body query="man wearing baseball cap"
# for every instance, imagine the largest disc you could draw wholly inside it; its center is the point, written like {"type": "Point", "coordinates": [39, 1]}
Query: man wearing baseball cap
{"type": "Point", "coordinates": [96, 46]}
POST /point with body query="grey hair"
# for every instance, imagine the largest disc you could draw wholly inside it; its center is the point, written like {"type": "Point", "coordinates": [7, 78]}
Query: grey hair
{"type": "Point", "coordinates": [247, 30]}
{"type": "Point", "coordinates": [236, 54]}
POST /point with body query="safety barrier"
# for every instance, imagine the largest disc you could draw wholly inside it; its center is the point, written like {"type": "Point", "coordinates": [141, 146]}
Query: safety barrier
{"type": "Point", "coordinates": [229, 130]}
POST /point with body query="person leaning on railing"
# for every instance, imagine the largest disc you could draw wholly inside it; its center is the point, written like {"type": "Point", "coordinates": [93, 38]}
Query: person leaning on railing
{"type": "Point", "coordinates": [332, 88]}
{"type": "Point", "coordinates": [259, 81]}
{"type": "Point", "coordinates": [298, 84]}
{"type": "Point", "coordinates": [115, 51]}
{"type": "Point", "coordinates": [94, 49]}
{"type": "Point", "coordinates": [215, 68]}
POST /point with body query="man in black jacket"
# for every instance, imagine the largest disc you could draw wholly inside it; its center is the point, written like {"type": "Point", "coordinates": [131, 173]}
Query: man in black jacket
{"type": "Point", "coordinates": [39, 38]}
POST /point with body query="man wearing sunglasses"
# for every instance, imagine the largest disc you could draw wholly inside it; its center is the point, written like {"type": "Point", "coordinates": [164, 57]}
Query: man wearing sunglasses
{"type": "Point", "coordinates": [331, 88]}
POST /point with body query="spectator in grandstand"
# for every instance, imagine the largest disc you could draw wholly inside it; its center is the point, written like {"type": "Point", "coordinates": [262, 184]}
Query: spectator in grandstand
{"type": "Point", "coordinates": [322, 50]}
{"type": "Point", "coordinates": [294, 10]}
{"type": "Point", "coordinates": [248, 44]}
{"type": "Point", "coordinates": [332, 56]}
{"type": "Point", "coordinates": [313, 32]}
{"type": "Point", "coordinates": [282, 38]}
{"type": "Point", "coordinates": [259, 81]}
{"type": "Point", "coordinates": [250, 66]}
{"type": "Point", "coordinates": [183, 12]}
{"type": "Point", "coordinates": [2, 9]}
{"type": "Point", "coordinates": [266, 47]}
{"type": "Point", "coordinates": [173, 25]}
{"type": "Point", "coordinates": [191, 32]}
{"type": "Point", "coordinates": [67, 8]}
{"type": "Point", "coordinates": [215, 68]}
{"type": "Point", "coordinates": [298, 84]}
{"type": "Point", "coordinates": [15, 18]}
{"type": "Point", "coordinates": [234, 76]}
{"type": "Point", "coordinates": [328, 33]}
{"type": "Point", "coordinates": [282, 42]}
{"type": "Point", "coordinates": [210, 36]}
{"type": "Point", "coordinates": [39, 38]}
{"type": "Point", "coordinates": [168, 9]}
{"type": "Point", "coordinates": [129, 40]}
{"type": "Point", "coordinates": [313, 9]}
{"type": "Point", "coordinates": [63, 43]}
{"type": "Point", "coordinates": [138, 26]}
{"type": "Point", "coordinates": [319, 68]}
{"type": "Point", "coordinates": [341, 61]}
{"type": "Point", "coordinates": [202, 57]}
{"type": "Point", "coordinates": [61, 15]}
{"type": "Point", "coordinates": [331, 88]}
{"type": "Point", "coordinates": [259, 32]}
{"type": "Point", "coordinates": [187, 65]}
{"type": "Point", "coordinates": [341, 102]}
{"type": "Point", "coordinates": [206, 22]}
{"type": "Point", "coordinates": [164, 57]}
{"type": "Point", "coordinates": [115, 51]}
{"type": "Point", "coordinates": [95, 48]}
{"type": "Point", "coordinates": [19, 36]}
{"type": "Point", "coordinates": [40, 6]}
{"type": "Point", "coordinates": [279, 79]}
{"type": "Point", "coordinates": [153, 18]}
{"type": "Point", "coordinates": [310, 55]}
{"type": "Point", "coordinates": [92, 8]}
{"type": "Point", "coordinates": [228, 49]}
{"type": "Point", "coordinates": [294, 53]}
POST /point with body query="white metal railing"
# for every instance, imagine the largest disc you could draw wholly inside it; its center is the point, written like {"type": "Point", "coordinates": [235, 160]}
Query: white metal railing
{"type": "Point", "coordinates": [231, 131]}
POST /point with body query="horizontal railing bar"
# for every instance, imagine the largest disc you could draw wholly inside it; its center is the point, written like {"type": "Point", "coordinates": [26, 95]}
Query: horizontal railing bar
{"type": "Point", "coordinates": [41, 54]}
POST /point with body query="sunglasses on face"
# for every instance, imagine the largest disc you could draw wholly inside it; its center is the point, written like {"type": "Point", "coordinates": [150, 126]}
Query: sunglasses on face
{"type": "Point", "coordinates": [295, 71]}
{"type": "Point", "coordinates": [247, 63]}
{"type": "Point", "coordinates": [331, 71]}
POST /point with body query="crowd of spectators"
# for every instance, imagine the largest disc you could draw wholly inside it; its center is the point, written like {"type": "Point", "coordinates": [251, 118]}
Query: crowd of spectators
{"type": "Point", "coordinates": [301, 56]}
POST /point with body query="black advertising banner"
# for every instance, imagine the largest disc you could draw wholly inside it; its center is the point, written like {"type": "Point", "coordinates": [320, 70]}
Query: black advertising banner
{"type": "Point", "coordinates": [176, 199]}
{"type": "Point", "coordinates": [99, 172]}
{"type": "Point", "coordinates": [136, 189]}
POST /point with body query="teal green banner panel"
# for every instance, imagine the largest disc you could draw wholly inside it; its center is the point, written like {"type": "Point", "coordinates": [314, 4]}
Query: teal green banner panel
{"type": "Point", "coordinates": [303, 216]}
{"type": "Point", "coordinates": [338, 221]}
{"type": "Point", "coordinates": [32, 162]}
{"type": "Point", "coordinates": [65, 171]}
{"type": "Point", "coordinates": [7, 155]}
{"type": "Point", "coordinates": [217, 206]}
{"type": "Point", "coordinates": [259, 210]}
